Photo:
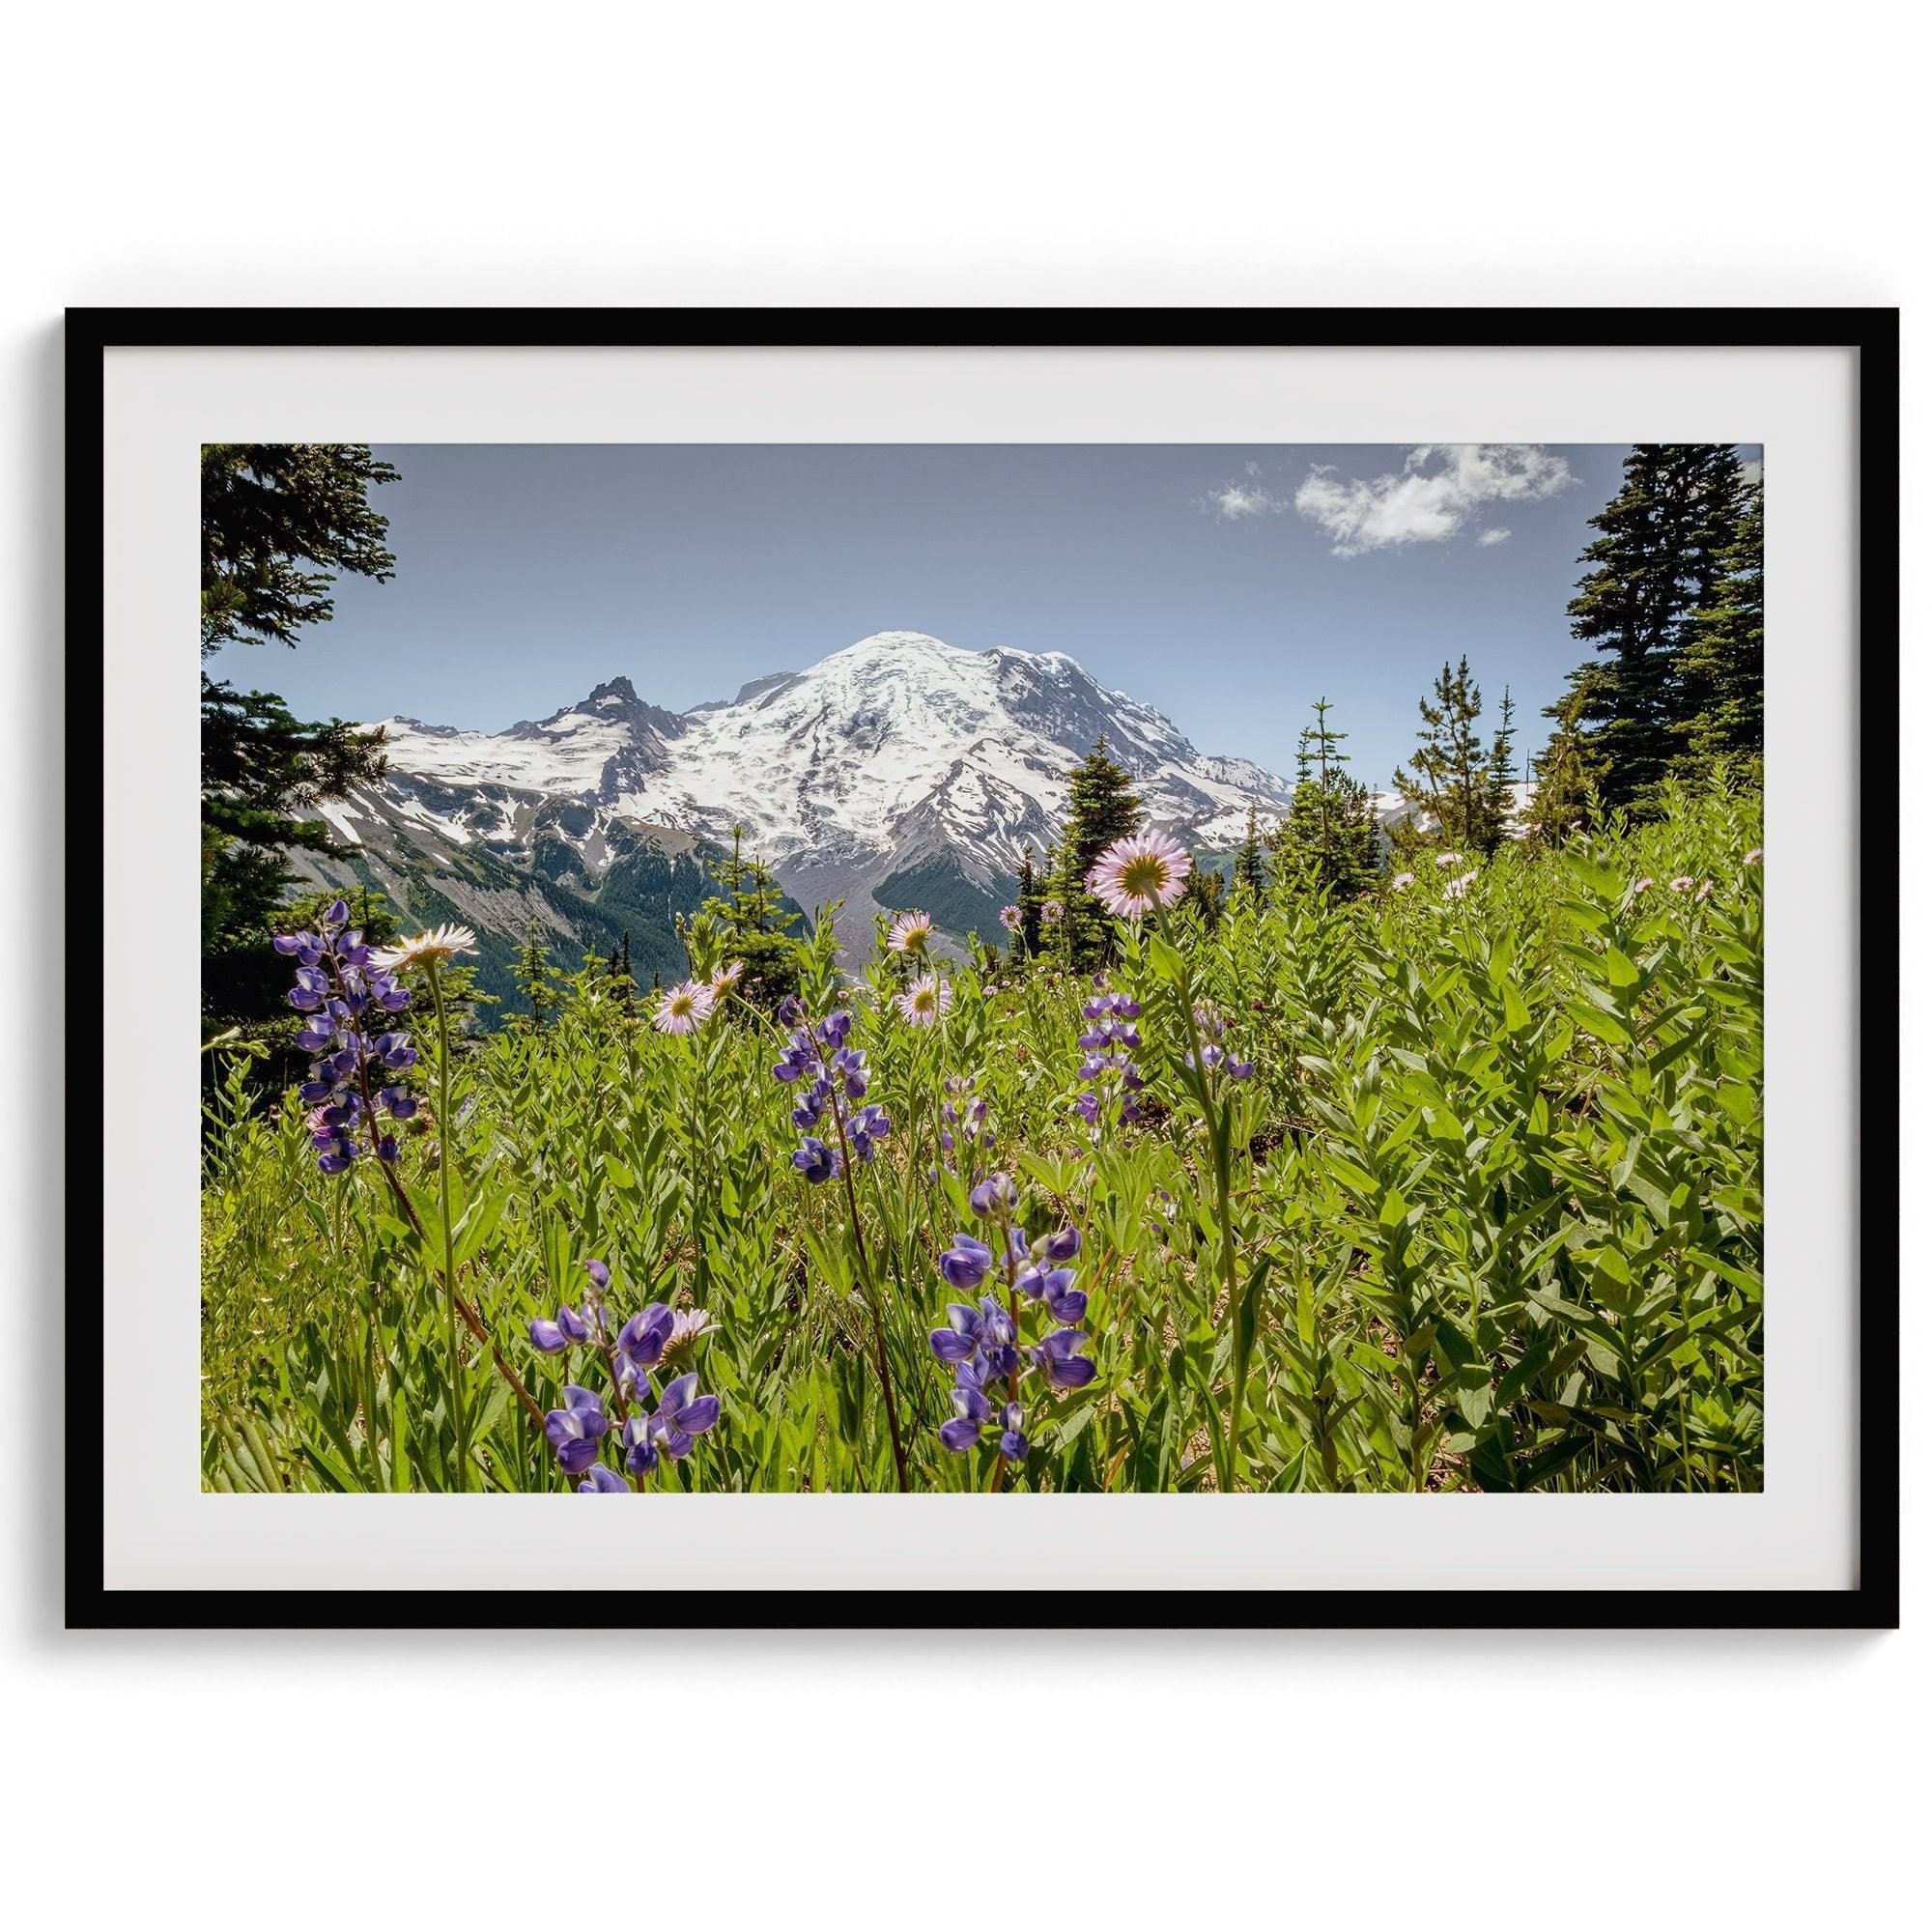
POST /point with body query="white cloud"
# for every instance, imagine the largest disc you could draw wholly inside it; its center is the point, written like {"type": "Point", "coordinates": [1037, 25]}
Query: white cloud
{"type": "Point", "coordinates": [1490, 538]}
{"type": "Point", "coordinates": [1236, 501]}
{"type": "Point", "coordinates": [1439, 489]}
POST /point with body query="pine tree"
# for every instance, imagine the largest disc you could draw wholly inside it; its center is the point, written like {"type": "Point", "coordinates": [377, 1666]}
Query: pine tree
{"type": "Point", "coordinates": [1327, 842]}
{"type": "Point", "coordinates": [756, 925]}
{"type": "Point", "coordinates": [1720, 671]}
{"type": "Point", "coordinates": [1028, 898]}
{"type": "Point", "coordinates": [1498, 799]}
{"type": "Point", "coordinates": [617, 970]}
{"type": "Point", "coordinates": [1447, 777]}
{"type": "Point", "coordinates": [1565, 789]}
{"type": "Point", "coordinates": [1657, 567]}
{"type": "Point", "coordinates": [1101, 808]}
{"type": "Point", "coordinates": [537, 980]}
{"type": "Point", "coordinates": [1250, 866]}
{"type": "Point", "coordinates": [268, 511]}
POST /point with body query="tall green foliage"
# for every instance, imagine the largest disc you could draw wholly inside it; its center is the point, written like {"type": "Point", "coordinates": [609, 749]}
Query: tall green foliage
{"type": "Point", "coordinates": [1495, 1184]}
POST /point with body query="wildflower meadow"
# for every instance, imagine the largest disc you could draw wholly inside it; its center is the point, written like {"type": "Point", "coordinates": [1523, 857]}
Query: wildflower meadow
{"type": "Point", "coordinates": [1455, 1185]}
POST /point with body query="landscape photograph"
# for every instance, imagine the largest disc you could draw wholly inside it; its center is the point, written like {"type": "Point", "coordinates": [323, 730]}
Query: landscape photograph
{"type": "Point", "coordinates": [981, 969]}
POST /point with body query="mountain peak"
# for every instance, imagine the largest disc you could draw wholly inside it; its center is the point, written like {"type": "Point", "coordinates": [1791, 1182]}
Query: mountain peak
{"type": "Point", "coordinates": [882, 644]}
{"type": "Point", "coordinates": [616, 687]}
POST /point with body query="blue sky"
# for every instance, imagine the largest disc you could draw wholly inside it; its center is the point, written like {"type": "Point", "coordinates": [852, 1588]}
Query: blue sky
{"type": "Point", "coordinates": [1228, 586]}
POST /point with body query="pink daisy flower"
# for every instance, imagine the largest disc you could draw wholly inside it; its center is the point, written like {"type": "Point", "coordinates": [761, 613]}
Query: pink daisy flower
{"type": "Point", "coordinates": [684, 1008]}
{"type": "Point", "coordinates": [1402, 882]}
{"type": "Point", "coordinates": [725, 978]}
{"type": "Point", "coordinates": [1134, 875]}
{"type": "Point", "coordinates": [924, 1001]}
{"type": "Point", "coordinates": [1458, 886]}
{"type": "Point", "coordinates": [1010, 918]}
{"type": "Point", "coordinates": [687, 1326]}
{"type": "Point", "coordinates": [1051, 912]}
{"type": "Point", "coordinates": [1681, 883]}
{"type": "Point", "coordinates": [1755, 856]}
{"type": "Point", "coordinates": [1644, 884]}
{"type": "Point", "coordinates": [1444, 860]}
{"type": "Point", "coordinates": [912, 933]}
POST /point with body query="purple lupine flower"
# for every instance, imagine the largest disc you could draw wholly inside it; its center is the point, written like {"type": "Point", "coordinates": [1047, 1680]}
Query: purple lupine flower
{"type": "Point", "coordinates": [962, 1118]}
{"type": "Point", "coordinates": [601, 1481]}
{"type": "Point", "coordinates": [965, 1263]}
{"type": "Point", "coordinates": [972, 1411]}
{"type": "Point", "coordinates": [981, 1345]}
{"type": "Point", "coordinates": [640, 1453]}
{"type": "Point", "coordinates": [336, 983]}
{"type": "Point", "coordinates": [565, 1332]}
{"type": "Point", "coordinates": [574, 1429]}
{"type": "Point", "coordinates": [682, 1416]}
{"type": "Point", "coordinates": [839, 1078]}
{"type": "Point", "coordinates": [870, 1124]}
{"type": "Point", "coordinates": [1054, 1286]}
{"type": "Point", "coordinates": [816, 1161]}
{"type": "Point", "coordinates": [969, 1331]}
{"type": "Point", "coordinates": [1059, 1360]}
{"type": "Point", "coordinates": [996, 1195]}
{"type": "Point", "coordinates": [641, 1344]}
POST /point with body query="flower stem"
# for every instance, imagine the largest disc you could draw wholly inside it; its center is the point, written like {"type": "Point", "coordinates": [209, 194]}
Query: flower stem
{"type": "Point", "coordinates": [445, 1155]}
{"type": "Point", "coordinates": [1215, 1118]}
{"type": "Point", "coordinates": [872, 1295]}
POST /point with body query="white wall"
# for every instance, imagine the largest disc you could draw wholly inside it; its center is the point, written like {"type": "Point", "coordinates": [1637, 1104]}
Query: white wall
{"type": "Point", "coordinates": [1400, 154]}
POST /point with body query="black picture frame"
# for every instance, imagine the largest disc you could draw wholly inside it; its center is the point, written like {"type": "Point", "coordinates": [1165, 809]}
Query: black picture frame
{"type": "Point", "coordinates": [1871, 1603]}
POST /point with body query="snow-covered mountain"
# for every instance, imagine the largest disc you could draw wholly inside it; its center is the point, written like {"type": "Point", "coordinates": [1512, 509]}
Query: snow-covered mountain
{"type": "Point", "coordinates": [899, 770]}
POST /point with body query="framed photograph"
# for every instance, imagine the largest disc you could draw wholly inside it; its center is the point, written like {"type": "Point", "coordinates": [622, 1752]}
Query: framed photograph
{"type": "Point", "coordinates": [1142, 968]}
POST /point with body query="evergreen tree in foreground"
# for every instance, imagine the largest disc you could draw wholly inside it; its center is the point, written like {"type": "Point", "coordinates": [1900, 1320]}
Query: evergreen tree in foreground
{"type": "Point", "coordinates": [1721, 670]}
{"type": "Point", "coordinates": [1658, 570]}
{"type": "Point", "coordinates": [1101, 807]}
{"type": "Point", "coordinates": [1327, 842]}
{"type": "Point", "coordinates": [1447, 777]}
{"type": "Point", "coordinates": [756, 925]}
{"type": "Point", "coordinates": [277, 522]}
